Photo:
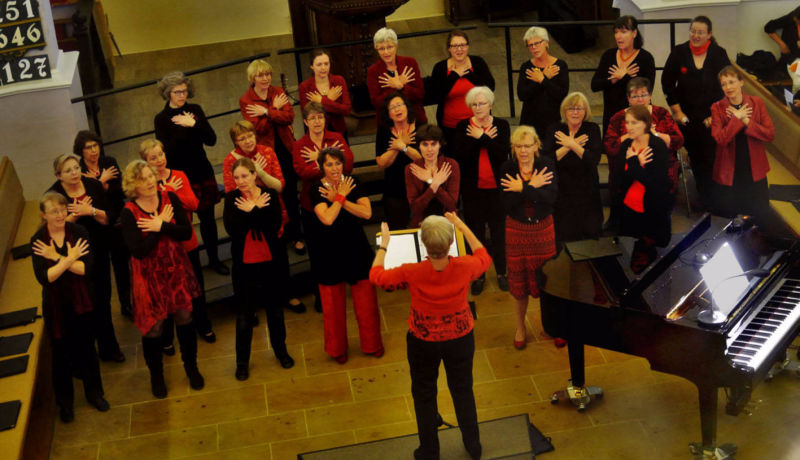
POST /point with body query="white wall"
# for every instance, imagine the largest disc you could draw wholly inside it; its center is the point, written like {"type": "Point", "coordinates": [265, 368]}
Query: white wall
{"type": "Point", "coordinates": [149, 25]}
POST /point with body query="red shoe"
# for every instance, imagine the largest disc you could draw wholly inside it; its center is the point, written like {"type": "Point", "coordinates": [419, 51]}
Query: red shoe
{"type": "Point", "coordinates": [559, 342]}
{"type": "Point", "coordinates": [341, 359]}
{"type": "Point", "coordinates": [520, 344]}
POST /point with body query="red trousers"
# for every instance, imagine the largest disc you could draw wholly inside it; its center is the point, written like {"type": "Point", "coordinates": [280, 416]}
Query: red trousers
{"type": "Point", "coordinates": [334, 315]}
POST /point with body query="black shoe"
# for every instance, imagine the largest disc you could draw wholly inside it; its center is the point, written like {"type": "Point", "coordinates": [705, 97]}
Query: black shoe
{"type": "Point", "coordinates": [117, 357]}
{"type": "Point", "coordinates": [502, 282]}
{"type": "Point", "coordinates": [209, 337]}
{"type": "Point", "coordinates": [242, 371]}
{"type": "Point", "coordinates": [157, 385]}
{"type": "Point", "coordinates": [99, 403]}
{"type": "Point", "coordinates": [196, 381]}
{"type": "Point", "coordinates": [66, 414]}
{"type": "Point", "coordinates": [286, 361]}
{"type": "Point", "coordinates": [299, 308]}
{"type": "Point", "coordinates": [475, 451]}
{"type": "Point", "coordinates": [169, 350]}
{"type": "Point", "coordinates": [477, 285]}
{"type": "Point", "coordinates": [299, 251]}
{"type": "Point", "coordinates": [220, 268]}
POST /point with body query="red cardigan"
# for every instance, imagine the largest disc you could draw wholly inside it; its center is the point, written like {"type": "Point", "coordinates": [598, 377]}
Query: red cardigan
{"type": "Point", "coordinates": [724, 129]}
{"type": "Point", "coordinates": [439, 307]}
{"type": "Point", "coordinates": [188, 200]}
{"type": "Point", "coordinates": [310, 173]}
{"type": "Point", "coordinates": [335, 111]}
{"type": "Point", "coordinates": [420, 194]}
{"type": "Point", "coordinates": [414, 92]}
{"type": "Point", "coordinates": [279, 120]}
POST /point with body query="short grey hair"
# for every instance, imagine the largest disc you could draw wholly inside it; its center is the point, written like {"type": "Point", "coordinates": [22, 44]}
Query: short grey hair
{"type": "Point", "coordinates": [437, 236]}
{"type": "Point", "coordinates": [479, 90]}
{"type": "Point", "coordinates": [535, 32]}
{"type": "Point", "coordinates": [384, 34]}
{"type": "Point", "coordinates": [172, 80]}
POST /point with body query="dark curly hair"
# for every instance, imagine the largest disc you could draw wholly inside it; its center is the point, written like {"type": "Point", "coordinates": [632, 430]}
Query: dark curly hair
{"type": "Point", "coordinates": [82, 138]}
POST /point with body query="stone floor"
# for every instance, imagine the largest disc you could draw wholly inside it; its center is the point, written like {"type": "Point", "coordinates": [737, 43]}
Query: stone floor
{"type": "Point", "coordinates": [278, 413]}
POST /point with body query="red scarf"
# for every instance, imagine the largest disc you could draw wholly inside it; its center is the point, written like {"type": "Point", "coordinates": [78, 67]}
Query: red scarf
{"type": "Point", "coordinates": [698, 50]}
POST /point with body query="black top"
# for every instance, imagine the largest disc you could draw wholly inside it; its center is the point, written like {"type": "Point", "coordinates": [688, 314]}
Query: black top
{"type": "Point", "coordinates": [98, 233]}
{"type": "Point", "coordinates": [184, 146]}
{"type": "Point", "coordinates": [441, 82]}
{"type": "Point", "coordinates": [139, 243]}
{"type": "Point", "coordinates": [654, 176]}
{"type": "Point", "coordinates": [788, 34]}
{"type": "Point", "coordinates": [541, 199]}
{"type": "Point", "coordinates": [466, 151]}
{"type": "Point", "coordinates": [615, 97]}
{"type": "Point", "coordinates": [694, 89]}
{"type": "Point", "coordinates": [342, 252]}
{"type": "Point", "coordinates": [114, 194]}
{"type": "Point", "coordinates": [264, 222]}
{"type": "Point", "coordinates": [541, 102]}
{"type": "Point", "coordinates": [394, 177]}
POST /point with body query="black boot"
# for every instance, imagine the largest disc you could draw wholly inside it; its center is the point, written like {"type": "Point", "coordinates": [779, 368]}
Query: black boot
{"type": "Point", "coordinates": [244, 338]}
{"type": "Point", "coordinates": [151, 347]}
{"type": "Point", "coordinates": [188, 343]}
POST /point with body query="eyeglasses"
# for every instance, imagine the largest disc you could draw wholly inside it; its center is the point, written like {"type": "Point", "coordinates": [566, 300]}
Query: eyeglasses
{"type": "Point", "coordinates": [384, 48]}
{"type": "Point", "coordinates": [245, 136]}
{"type": "Point", "coordinates": [524, 146]}
{"type": "Point", "coordinates": [396, 106]}
{"type": "Point", "coordinates": [179, 92]}
{"type": "Point", "coordinates": [639, 96]}
{"type": "Point", "coordinates": [459, 46]}
{"type": "Point", "coordinates": [576, 109]}
{"type": "Point", "coordinates": [479, 104]}
{"type": "Point", "coordinates": [57, 211]}
{"type": "Point", "coordinates": [318, 117]}
{"type": "Point", "coordinates": [91, 146]}
{"type": "Point", "coordinates": [697, 32]}
{"type": "Point", "coordinates": [535, 44]}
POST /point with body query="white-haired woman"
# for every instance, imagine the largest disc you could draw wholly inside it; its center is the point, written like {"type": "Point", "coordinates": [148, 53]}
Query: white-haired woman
{"type": "Point", "coordinates": [543, 82]}
{"type": "Point", "coordinates": [268, 108]}
{"type": "Point", "coordinates": [394, 73]}
{"type": "Point", "coordinates": [439, 326]}
{"type": "Point", "coordinates": [529, 192]}
{"type": "Point", "coordinates": [574, 145]}
{"type": "Point", "coordinates": [154, 223]}
{"type": "Point", "coordinates": [480, 146]}
{"type": "Point", "coordinates": [183, 129]}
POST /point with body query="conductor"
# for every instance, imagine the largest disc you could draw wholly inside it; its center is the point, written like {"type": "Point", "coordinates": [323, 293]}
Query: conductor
{"type": "Point", "coordinates": [439, 326]}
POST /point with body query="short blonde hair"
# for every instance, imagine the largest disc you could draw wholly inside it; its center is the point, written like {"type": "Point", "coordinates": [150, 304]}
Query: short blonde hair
{"type": "Point", "coordinates": [573, 99]}
{"type": "Point", "coordinates": [147, 145]}
{"type": "Point", "coordinates": [476, 91]}
{"type": "Point", "coordinates": [172, 80]}
{"type": "Point", "coordinates": [437, 236]}
{"type": "Point", "coordinates": [521, 133]}
{"type": "Point", "coordinates": [384, 34]}
{"type": "Point", "coordinates": [133, 177]}
{"type": "Point", "coordinates": [239, 128]}
{"type": "Point", "coordinates": [256, 67]}
{"type": "Point", "coordinates": [58, 163]}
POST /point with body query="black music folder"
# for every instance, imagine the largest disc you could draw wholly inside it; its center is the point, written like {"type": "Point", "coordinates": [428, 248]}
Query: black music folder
{"type": "Point", "coordinates": [15, 344]}
{"type": "Point", "coordinates": [592, 249]}
{"type": "Point", "coordinates": [9, 411]}
{"type": "Point", "coordinates": [13, 366]}
{"type": "Point", "coordinates": [17, 318]}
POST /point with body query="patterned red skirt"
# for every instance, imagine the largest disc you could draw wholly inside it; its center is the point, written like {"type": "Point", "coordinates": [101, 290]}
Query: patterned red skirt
{"type": "Point", "coordinates": [207, 193]}
{"type": "Point", "coordinates": [528, 247]}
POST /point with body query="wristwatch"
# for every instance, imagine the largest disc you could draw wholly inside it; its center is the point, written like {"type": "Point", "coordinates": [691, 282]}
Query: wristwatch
{"type": "Point", "coordinates": [405, 149]}
{"type": "Point", "coordinates": [429, 181]}
{"type": "Point", "coordinates": [94, 211]}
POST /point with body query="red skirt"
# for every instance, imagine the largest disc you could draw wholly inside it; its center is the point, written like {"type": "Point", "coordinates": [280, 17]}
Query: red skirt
{"type": "Point", "coordinates": [528, 247]}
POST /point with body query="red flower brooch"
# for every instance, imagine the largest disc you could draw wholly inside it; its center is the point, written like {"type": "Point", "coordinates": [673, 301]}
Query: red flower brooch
{"type": "Point", "coordinates": [684, 70]}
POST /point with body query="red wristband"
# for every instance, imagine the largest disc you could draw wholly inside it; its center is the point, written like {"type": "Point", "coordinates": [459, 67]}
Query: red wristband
{"type": "Point", "coordinates": [340, 198]}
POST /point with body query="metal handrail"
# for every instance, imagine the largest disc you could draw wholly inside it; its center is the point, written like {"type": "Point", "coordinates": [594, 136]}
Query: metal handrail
{"type": "Point", "coordinates": [507, 26]}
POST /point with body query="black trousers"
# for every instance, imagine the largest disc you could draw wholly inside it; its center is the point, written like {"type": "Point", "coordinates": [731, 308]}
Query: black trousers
{"type": "Point", "coordinates": [482, 208]}
{"type": "Point", "coordinates": [291, 199]}
{"type": "Point", "coordinates": [701, 149]}
{"type": "Point", "coordinates": [256, 286]}
{"type": "Point", "coordinates": [423, 360]}
{"type": "Point", "coordinates": [75, 350]}
{"type": "Point", "coordinates": [120, 258]}
{"type": "Point", "coordinates": [107, 345]}
{"type": "Point", "coordinates": [208, 231]}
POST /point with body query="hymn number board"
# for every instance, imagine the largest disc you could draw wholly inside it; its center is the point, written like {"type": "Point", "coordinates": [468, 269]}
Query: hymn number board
{"type": "Point", "coordinates": [21, 30]}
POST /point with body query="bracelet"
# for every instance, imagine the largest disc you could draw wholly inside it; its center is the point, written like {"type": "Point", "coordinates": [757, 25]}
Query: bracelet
{"type": "Point", "coordinates": [381, 247]}
{"type": "Point", "coordinates": [94, 211]}
{"type": "Point", "coordinates": [340, 199]}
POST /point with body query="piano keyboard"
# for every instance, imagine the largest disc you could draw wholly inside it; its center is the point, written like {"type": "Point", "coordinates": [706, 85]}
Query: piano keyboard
{"type": "Point", "coordinates": [767, 327]}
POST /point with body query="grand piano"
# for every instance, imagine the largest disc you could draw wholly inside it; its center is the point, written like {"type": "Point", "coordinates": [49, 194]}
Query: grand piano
{"type": "Point", "coordinates": [670, 315]}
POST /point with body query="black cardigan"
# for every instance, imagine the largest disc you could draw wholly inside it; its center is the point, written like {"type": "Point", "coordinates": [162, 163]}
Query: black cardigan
{"type": "Point", "coordinates": [140, 243]}
{"type": "Point", "coordinates": [466, 151]}
{"type": "Point", "coordinates": [542, 198]}
{"type": "Point", "coordinates": [265, 223]}
{"type": "Point", "coordinates": [682, 86]}
{"type": "Point", "coordinates": [654, 176]}
{"type": "Point", "coordinates": [615, 97]}
{"type": "Point", "coordinates": [541, 102]}
{"type": "Point", "coordinates": [184, 146]}
{"type": "Point", "coordinates": [114, 194]}
{"type": "Point", "coordinates": [441, 83]}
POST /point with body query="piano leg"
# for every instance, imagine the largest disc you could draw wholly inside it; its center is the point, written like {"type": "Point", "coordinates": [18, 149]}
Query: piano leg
{"type": "Point", "coordinates": [708, 426]}
{"type": "Point", "coordinates": [576, 393]}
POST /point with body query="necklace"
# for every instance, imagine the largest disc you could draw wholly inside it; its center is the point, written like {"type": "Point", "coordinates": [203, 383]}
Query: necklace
{"type": "Point", "coordinates": [623, 59]}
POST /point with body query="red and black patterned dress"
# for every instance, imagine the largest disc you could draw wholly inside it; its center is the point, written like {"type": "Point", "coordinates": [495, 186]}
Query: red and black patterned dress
{"type": "Point", "coordinates": [161, 273]}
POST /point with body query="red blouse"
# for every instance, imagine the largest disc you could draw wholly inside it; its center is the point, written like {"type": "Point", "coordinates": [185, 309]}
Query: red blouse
{"type": "Point", "coordinates": [455, 105]}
